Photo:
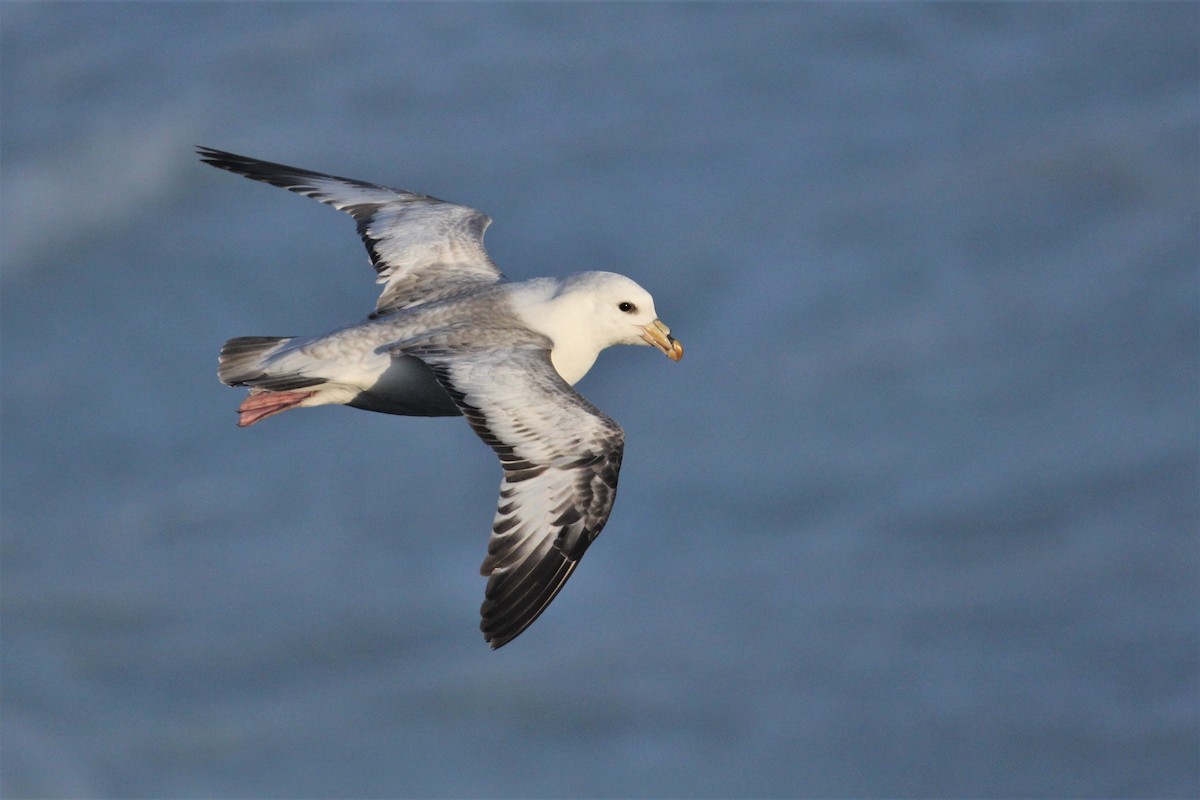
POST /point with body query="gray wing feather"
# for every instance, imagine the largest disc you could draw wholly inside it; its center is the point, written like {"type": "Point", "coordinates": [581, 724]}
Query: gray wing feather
{"type": "Point", "coordinates": [422, 248]}
{"type": "Point", "coordinates": [561, 457]}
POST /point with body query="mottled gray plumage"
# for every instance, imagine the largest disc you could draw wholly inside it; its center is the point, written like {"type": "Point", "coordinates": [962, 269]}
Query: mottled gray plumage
{"type": "Point", "coordinates": [448, 336]}
{"type": "Point", "coordinates": [423, 248]}
{"type": "Point", "coordinates": [557, 490]}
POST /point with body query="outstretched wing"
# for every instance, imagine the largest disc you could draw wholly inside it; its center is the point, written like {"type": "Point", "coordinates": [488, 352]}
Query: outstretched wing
{"type": "Point", "coordinates": [423, 248]}
{"type": "Point", "coordinates": [561, 457]}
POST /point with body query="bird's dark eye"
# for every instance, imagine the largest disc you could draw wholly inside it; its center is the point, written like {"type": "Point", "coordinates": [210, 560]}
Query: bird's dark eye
{"type": "Point", "coordinates": [627, 307]}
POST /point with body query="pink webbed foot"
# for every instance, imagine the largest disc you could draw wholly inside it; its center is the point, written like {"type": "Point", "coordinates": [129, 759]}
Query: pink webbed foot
{"type": "Point", "coordinates": [262, 404]}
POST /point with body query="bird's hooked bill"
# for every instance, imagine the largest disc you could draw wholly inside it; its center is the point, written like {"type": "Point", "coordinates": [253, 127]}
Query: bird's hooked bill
{"type": "Point", "coordinates": [659, 335]}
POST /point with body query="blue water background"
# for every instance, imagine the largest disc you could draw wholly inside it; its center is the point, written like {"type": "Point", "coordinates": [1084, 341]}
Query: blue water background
{"type": "Point", "coordinates": [916, 516]}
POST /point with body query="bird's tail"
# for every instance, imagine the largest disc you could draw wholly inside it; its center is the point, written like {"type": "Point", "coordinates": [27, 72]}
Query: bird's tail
{"type": "Point", "coordinates": [249, 361]}
{"type": "Point", "coordinates": [243, 360]}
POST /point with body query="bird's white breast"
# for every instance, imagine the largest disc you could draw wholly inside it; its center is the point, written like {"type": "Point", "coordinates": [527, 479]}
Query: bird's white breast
{"type": "Point", "coordinates": [561, 318]}
{"type": "Point", "coordinates": [572, 360]}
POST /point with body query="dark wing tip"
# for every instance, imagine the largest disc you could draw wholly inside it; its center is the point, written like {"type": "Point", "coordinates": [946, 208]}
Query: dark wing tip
{"type": "Point", "coordinates": [505, 616]}
{"type": "Point", "coordinates": [223, 159]}
{"type": "Point", "coordinates": [305, 181]}
{"type": "Point", "coordinates": [281, 175]}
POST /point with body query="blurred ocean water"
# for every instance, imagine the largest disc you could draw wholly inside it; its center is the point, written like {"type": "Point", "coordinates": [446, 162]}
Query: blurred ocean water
{"type": "Point", "coordinates": [916, 516]}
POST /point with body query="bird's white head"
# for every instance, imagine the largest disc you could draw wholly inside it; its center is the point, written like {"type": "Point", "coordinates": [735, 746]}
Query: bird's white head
{"type": "Point", "coordinates": [594, 310]}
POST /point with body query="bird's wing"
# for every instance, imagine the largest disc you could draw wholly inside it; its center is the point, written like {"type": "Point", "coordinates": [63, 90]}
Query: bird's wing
{"type": "Point", "coordinates": [421, 247]}
{"type": "Point", "coordinates": [560, 456]}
